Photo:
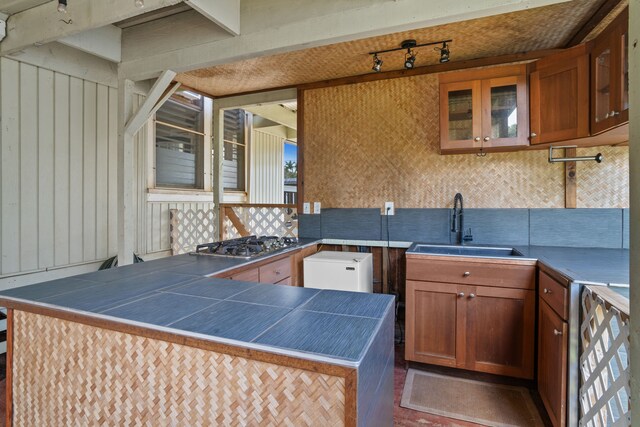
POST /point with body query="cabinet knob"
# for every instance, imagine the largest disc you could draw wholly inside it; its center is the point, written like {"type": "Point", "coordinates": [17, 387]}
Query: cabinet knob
{"type": "Point", "coordinates": [476, 139]}
{"type": "Point", "coordinates": [547, 291]}
{"type": "Point", "coordinates": [614, 113]}
{"type": "Point", "coordinates": [466, 274]}
{"type": "Point", "coordinates": [461, 294]}
{"type": "Point", "coordinates": [557, 332]}
{"type": "Point", "coordinates": [486, 138]}
{"type": "Point", "coordinates": [533, 134]}
{"type": "Point", "coordinates": [472, 295]}
{"type": "Point", "coordinates": [278, 272]}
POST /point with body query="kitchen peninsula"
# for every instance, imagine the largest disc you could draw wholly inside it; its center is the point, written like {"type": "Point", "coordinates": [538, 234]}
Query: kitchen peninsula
{"type": "Point", "coordinates": [160, 342]}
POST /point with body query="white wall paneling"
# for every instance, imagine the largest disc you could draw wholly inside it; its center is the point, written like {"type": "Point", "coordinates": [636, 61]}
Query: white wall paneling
{"type": "Point", "coordinates": [267, 168]}
{"type": "Point", "coordinates": [58, 142]}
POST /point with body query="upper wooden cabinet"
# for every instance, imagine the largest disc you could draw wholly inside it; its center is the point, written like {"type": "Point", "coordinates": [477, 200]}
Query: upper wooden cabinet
{"type": "Point", "coordinates": [559, 89]}
{"type": "Point", "coordinates": [484, 110]}
{"type": "Point", "coordinates": [610, 76]}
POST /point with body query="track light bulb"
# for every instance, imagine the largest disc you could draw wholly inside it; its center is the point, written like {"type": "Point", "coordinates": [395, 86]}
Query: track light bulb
{"type": "Point", "coordinates": [444, 52]}
{"type": "Point", "coordinates": [377, 64]}
{"type": "Point", "coordinates": [409, 59]}
{"type": "Point", "coordinates": [62, 6]}
{"type": "Point", "coordinates": [139, 4]}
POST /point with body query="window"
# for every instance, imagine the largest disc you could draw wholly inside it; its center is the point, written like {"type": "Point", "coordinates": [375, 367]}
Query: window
{"type": "Point", "coordinates": [180, 142]}
{"type": "Point", "coordinates": [234, 154]}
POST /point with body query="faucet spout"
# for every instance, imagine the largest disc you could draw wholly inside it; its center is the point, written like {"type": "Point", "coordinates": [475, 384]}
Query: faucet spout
{"type": "Point", "coordinates": [458, 222]}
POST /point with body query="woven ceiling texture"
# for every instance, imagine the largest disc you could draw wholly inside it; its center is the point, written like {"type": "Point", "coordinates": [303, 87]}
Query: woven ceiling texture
{"type": "Point", "coordinates": [528, 30]}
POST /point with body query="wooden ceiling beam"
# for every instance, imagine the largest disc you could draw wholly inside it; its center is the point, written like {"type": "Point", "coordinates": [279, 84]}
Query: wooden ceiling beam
{"type": "Point", "coordinates": [224, 13]}
{"type": "Point", "coordinates": [592, 22]}
{"type": "Point", "coordinates": [44, 24]}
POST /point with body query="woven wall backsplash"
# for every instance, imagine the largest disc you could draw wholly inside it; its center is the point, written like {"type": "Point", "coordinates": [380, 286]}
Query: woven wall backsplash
{"type": "Point", "coordinates": [368, 143]}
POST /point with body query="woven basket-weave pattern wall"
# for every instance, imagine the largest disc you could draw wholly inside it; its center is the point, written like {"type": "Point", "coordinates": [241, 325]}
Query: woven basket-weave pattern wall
{"type": "Point", "coordinates": [368, 143]}
{"type": "Point", "coordinates": [70, 374]}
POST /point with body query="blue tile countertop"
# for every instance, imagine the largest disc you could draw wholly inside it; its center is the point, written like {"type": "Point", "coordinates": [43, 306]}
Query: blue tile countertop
{"type": "Point", "coordinates": [172, 293]}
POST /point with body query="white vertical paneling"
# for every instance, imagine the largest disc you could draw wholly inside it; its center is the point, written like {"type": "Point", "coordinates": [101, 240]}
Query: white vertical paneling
{"type": "Point", "coordinates": [45, 170]}
{"type": "Point", "coordinates": [102, 160]}
{"type": "Point", "coordinates": [76, 132]}
{"type": "Point", "coordinates": [58, 172]}
{"type": "Point", "coordinates": [10, 107]}
{"type": "Point", "coordinates": [61, 170]}
{"type": "Point", "coordinates": [140, 153]}
{"type": "Point", "coordinates": [267, 168]}
{"type": "Point", "coordinates": [113, 172]}
{"type": "Point", "coordinates": [28, 167]}
{"type": "Point", "coordinates": [89, 172]}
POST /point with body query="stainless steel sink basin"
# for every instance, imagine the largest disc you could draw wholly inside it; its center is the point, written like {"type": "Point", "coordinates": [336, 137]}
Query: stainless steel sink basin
{"type": "Point", "coordinates": [464, 251]}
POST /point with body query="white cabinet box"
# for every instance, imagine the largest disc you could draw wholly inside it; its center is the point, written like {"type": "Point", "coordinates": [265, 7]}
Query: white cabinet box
{"type": "Point", "coordinates": [344, 271]}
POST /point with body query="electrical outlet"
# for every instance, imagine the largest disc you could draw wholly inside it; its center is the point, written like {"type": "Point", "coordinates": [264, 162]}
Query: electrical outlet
{"type": "Point", "coordinates": [316, 207]}
{"type": "Point", "coordinates": [306, 208]}
{"type": "Point", "coordinates": [389, 209]}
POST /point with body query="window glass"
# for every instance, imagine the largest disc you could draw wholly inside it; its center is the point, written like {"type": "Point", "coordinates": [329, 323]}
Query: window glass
{"type": "Point", "coordinates": [234, 154]}
{"type": "Point", "coordinates": [179, 141]}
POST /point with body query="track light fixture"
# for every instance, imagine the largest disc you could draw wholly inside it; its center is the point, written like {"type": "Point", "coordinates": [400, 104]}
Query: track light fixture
{"type": "Point", "coordinates": [62, 6]}
{"type": "Point", "coordinates": [377, 64]}
{"type": "Point", "coordinates": [444, 52]}
{"type": "Point", "coordinates": [410, 55]}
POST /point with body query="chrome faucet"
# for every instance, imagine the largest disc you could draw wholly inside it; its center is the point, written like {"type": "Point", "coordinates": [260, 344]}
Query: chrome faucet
{"type": "Point", "coordinates": [457, 223]}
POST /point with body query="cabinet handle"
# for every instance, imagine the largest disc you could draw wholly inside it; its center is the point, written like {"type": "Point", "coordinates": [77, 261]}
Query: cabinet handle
{"type": "Point", "coordinates": [557, 332]}
{"type": "Point", "coordinates": [547, 291]}
{"type": "Point", "coordinates": [461, 294]}
{"type": "Point", "coordinates": [486, 138]}
{"type": "Point", "coordinates": [533, 134]}
{"type": "Point", "coordinates": [466, 274]}
{"type": "Point", "coordinates": [472, 295]}
{"type": "Point", "coordinates": [476, 139]}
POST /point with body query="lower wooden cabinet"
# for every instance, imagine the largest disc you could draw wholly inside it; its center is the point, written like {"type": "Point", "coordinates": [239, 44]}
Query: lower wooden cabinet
{"type": "Point", "coordinates": [553, 346]}
{"type": "Point", "coordinates": [475, 327]}
{"type": "Point", "coordinates": [552, 363]}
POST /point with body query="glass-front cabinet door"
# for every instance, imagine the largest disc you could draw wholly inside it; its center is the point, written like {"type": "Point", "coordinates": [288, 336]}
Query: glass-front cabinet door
{"type": "Point", "coordinates": [460, 112]}
{"type": "Point", "coordinates": [504, 121]}
{"type": "Point", "coordinates": [610, 77]}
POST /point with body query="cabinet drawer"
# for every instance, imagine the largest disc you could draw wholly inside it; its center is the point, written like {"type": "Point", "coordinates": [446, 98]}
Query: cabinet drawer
{"type": "Point", "coordinates": [276, 271]}
{"type": "Point", "coordinates": [554, 294]}
{"type": "Point", "coordinates": [246, 276]}
{"type": "Point", "coordinates": [469, 273]}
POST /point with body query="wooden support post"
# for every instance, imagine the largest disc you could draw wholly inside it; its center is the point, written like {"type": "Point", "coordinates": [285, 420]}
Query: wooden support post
{"type": "Point", "coordinates": [236, 221]}
{"type": "Point", "coordinates": [126, 202]}
{"type": "Point", "coordinates": [570, 180]}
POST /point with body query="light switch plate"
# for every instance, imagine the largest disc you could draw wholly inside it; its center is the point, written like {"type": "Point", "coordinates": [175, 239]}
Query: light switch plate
{"type": "Point", "coordinates": [306, 208]}
{"type": "Point", "coordinates": [316, 207]}
{"type": "Point", "coordinates": [389, 209]}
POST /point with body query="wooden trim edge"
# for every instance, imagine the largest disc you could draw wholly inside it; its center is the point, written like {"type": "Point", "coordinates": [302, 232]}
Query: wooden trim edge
{"type": "Point", "coordinates": [9, 367]}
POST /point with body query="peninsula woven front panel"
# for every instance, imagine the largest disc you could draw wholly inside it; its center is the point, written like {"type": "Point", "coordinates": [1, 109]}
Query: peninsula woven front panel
{"type": "Point", "coordinates": [67, 373]}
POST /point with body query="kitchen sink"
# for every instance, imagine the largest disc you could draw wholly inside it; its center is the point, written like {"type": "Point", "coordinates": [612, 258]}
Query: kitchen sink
{"type": "Point", "coordinates": [464, 251]}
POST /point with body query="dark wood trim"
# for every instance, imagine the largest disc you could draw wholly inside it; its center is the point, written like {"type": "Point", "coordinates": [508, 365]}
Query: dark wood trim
{"type": "Point", "coordinates": [177, 338]}
{"type": "Point", "coordinates": [300, 143]}
{"type": "Point", "coordinates": [555, 275]}
{"type": "Point", "coordinates": [351, 399]}
{"type": "Point", "coordinates": [570, 180]}
{"type": "Point", "coordinates": [428, 69]}
{"type": "Point", "coordinates": [606, 6]}
{"type": "Point", "coordinates": [9, 367]}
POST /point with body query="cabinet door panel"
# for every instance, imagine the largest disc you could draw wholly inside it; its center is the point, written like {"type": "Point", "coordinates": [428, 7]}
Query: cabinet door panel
{"type": "Point", "coordinates": [500, 331]}
{"type": "Point", "coordinates": [560, 99]}
{"type": "Point", "coordinates": [250, 275]}
{"type": "Point", "coordinates": [552, 364]}
{"type": "Point", "coordinates": [432, 321]}
{"type": "Point", "coordinates": [504, 113]}
{"type": "Point", "coordinates": [460, 119]}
